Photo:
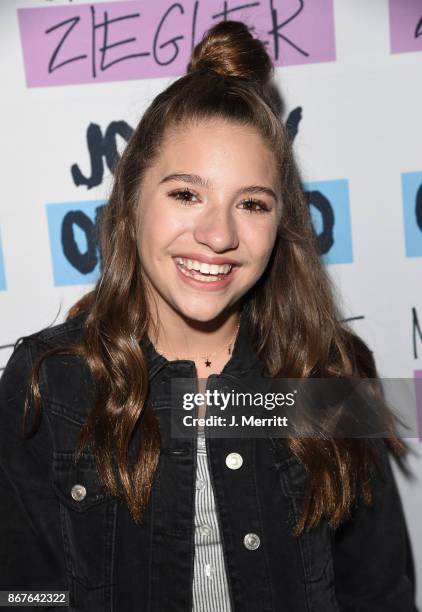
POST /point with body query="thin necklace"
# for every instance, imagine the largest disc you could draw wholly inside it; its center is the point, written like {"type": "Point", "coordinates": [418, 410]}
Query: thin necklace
{"type": "Point", "coordinates": [206, 358]}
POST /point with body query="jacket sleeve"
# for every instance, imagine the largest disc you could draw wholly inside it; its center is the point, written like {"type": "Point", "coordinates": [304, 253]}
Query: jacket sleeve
{"type": "Point", "coordinates": [372, 556]}
{"type": "Point", "coordinates": [31, 549]}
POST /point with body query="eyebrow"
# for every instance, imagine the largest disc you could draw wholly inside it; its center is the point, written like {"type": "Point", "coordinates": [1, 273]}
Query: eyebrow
{"type": "Point", "coordinates": [195, 179]}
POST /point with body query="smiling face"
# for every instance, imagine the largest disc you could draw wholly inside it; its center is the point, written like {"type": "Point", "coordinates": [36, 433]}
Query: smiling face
{"type": "Point", "coordinates": [209, 198]}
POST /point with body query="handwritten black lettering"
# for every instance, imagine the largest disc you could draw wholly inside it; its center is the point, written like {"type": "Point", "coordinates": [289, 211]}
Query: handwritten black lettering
{"type": "Point", "coordinates": [417, 332]}
{"type": "Point", "coordinates": [172, 41]}
{"type": "Point", "coordinates": [292, 122]}
{"type": "Point", "coordinates": [99, 147]}
{"type": "Point", "coordinates": [194, 19]}
{"type": "Point", "coordinates": [105, 46]}
{"type": "Point", "coordinates": [355, 318]}
{"type": "Point", "coordinates": [275, 31]}
{"type": "Point", "coordinates": [325, 239]}
{"type": "Point", "coordinates": [418, 29]}
{"type": "Point", "coordinates": [418, 207]}
{"type": "Point", "coordinates": [72, 21]}
{"type": "Point", "coordinates": [83, 262]}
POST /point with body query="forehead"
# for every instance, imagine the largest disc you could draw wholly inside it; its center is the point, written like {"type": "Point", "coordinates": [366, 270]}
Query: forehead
{"type": "Point", "coordinates": [218, 150]}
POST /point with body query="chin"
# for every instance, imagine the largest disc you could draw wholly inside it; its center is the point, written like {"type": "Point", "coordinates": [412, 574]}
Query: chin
{"type": "Point", "coordinates": [203, 312]}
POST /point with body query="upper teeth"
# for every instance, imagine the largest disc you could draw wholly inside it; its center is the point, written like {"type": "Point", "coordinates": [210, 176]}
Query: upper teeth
{"type": "Point", "coordinates": [204, 268]}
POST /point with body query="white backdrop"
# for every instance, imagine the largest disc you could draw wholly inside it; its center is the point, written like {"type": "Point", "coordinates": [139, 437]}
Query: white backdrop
{"type": "Point", "coordinates": [358, 144]}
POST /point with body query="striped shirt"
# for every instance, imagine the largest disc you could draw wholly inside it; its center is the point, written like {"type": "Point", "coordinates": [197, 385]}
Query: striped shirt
{"type": "Point", "coordinates": [210, 586]}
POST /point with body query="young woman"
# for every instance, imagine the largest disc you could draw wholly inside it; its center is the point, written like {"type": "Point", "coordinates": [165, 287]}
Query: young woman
{"type": "Point", "coordinates": [210, 274]}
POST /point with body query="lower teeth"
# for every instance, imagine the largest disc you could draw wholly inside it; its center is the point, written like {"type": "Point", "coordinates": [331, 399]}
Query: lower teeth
{"type": "Point", "coordinates": [202, 277]}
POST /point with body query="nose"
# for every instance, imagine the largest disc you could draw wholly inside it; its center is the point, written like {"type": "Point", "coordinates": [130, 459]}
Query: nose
{"type": "Point", "coordinates": [217, 229]}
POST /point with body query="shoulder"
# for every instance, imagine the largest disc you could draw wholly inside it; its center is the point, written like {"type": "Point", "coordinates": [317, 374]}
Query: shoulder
{"type": "Point", "coordinates": [68, 332]}
{"type": "Point", "coordinates": [63, 376]}
{"type": "Point", "coordinates": [27, 348]}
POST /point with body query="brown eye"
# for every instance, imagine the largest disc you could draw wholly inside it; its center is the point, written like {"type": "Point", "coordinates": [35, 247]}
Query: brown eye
{"type": "Point", "coordinates": [183, 195]}
{"type": "Point", "coordinates": [255, 206]}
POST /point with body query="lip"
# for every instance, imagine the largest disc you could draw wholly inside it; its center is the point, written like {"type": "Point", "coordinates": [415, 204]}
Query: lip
{"type": "Point", "coordinates": [203, 285]}
{"type": "Point", "coordinates": [208, 259]}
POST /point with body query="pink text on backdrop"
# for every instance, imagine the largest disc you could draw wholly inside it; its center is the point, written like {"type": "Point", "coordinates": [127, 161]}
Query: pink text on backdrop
{"type": "Point", "coordinates": [418, 390]}
{"type": "Point", "coordinates": [117, 41]}
{"type": "Point", "coordinates": [405, 26]}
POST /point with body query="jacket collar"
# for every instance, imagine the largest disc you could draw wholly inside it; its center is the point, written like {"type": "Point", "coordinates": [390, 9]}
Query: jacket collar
{"type": "Point", "coordinates": [243, 360]}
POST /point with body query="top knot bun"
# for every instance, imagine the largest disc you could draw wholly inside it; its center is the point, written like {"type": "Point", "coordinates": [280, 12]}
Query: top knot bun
{"type": "Point", "coordinates": [229, 49]}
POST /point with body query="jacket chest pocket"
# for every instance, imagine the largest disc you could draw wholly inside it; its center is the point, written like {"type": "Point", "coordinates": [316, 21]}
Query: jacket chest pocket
{"type": "Point", "coordinates": [315, 544]}
{"type": "Point", "coordinates": [88, 516]}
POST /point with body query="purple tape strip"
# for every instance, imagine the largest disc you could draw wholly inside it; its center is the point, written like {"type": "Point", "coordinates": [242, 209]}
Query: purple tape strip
{"type": "Point", "coordinates": [117, 41]}
{"type": "Point", "coordinates": [405, 25]}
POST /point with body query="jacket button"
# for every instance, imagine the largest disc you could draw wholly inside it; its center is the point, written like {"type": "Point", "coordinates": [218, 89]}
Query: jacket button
{"type": "Point", "coordinates": [234, 461]}
{"type": "Point", "coordinates": [200, 484]}
{"type": "Point", "coordinates": [205, 530]}
{"type": "Point", "coordinates": [251, 541]}
{"type": "Point", "coordinates": [78, 492]}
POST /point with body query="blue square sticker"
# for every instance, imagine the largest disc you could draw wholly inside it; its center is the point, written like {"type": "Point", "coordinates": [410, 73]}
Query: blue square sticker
{"type": "Point", "coordinates": [330, 215]}
{"type": "Point", "coordinates": [412, 212]}
{"type": "Point", "coordinates": [74, 248]}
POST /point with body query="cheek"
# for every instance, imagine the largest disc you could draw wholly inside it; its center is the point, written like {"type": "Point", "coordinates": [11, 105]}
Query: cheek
{"type": "Point", "coordinates": [147, 239]}
{"type": "Point", "coordinates": [157, 230]}
{"type": "Point", "coordinates": [261, 243]}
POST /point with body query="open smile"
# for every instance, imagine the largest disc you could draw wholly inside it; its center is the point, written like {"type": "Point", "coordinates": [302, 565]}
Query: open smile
{"type": "Point", "coordinates": [204, 275]}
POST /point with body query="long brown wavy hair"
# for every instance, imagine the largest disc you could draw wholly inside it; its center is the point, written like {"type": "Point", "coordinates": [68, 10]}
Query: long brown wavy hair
{"type": "Point", "coordinates": [292, 318]}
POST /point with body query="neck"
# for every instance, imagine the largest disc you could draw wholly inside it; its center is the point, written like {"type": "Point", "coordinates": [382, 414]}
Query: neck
{"type": "Point", "coordinates": [183, 338]}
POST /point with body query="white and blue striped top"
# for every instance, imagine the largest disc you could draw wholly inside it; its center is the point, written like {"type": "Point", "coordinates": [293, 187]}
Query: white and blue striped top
{"type": "Point", "coordinates": [210, 586]}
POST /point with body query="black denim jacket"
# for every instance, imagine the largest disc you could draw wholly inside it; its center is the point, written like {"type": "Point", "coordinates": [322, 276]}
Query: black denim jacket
{"type": "Point", "coordinates": [91, 546]}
